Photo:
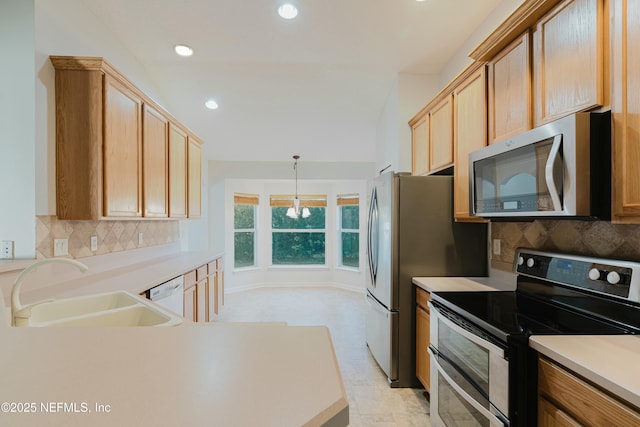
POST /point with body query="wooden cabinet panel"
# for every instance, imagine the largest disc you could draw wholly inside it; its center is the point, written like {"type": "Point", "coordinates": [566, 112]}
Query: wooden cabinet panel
{"type": "Point", "coordinates": [580, 400]}
{"type": "Point", "coordinates": [422, 298]}
{"type": "Point", "coordinates": [420, 146]}
{"type": "Point", "coordinates": [195, 178]}
{"type": "Point", "coordinates": [510, 104]}
{"type": "Point", "coordinates": [441, 135]}
{"type": "Point", "coordinates": [625, 105]}
{"type": "Point", "coordinates": [155, 140]}
{"type": "Point", "coordinates": [190, 304]}
{"type": "Point", "coordinates": [177, 172]}
{"type": "Point", "coordinates": [550, 415]}
{"type": "Point", "coordinates": [568, 59]}
{"type": "Point", "coordinates": [201, 300]}
{"type": "Point", "coordinates": [470, 131]}
{"type": "Point", "coordinates": [201, 272]}
{"type": "Point", "coordinates": [220, 263]}
{"type": "Point", "coordinates": [122, 150]}
{"type": "Point", "coordinates": [422, 339]}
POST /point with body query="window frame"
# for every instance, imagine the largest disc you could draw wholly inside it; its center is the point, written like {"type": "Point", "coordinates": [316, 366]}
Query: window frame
{"type": "Point", "coordinates": [252, 200]}
{"type": "Point", "coordinates": [346, 200]}
{"type": "Point", "coordinates": [306, 200]}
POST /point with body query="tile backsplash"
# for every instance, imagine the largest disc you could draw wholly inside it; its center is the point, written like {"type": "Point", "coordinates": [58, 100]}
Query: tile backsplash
{"type": "Point", "coordinates": [113, 236]}
{"type": "Point", "coordinates": [594, 238]}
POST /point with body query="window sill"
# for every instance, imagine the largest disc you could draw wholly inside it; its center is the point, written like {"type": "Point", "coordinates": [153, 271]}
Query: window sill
{"type": "Point", "coordinates": [243, 269]}
{"type": "Point", "coordinates": [351, 269]}
{"type": "Point", "coordinates": [298, 267]}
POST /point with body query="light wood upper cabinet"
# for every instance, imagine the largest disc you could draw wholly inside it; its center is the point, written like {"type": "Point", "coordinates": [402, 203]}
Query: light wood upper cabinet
{"type": "Point", "coordinates": [195, 178]}
{"type": "Point", "coordinates": [177, 172]}
{"type": "Point", "coordinates": [420, 145]}
{"type": "Point", "coordinates": [625, 105]}
{"type": "Point", "coordinates": [155, 141]}
{"type": "Point", "coordinates": [510, 104]}
{"type": "Point", "coordinates": [441, 135]}
{"type": "Point", "coordinates": [470, 134]}
{"type": "Point", "coordinates": [122, 150]}
{"type": "Point", "coordinates": [112, 153]}
{"type": "Point", "coordinates": [568, 59]}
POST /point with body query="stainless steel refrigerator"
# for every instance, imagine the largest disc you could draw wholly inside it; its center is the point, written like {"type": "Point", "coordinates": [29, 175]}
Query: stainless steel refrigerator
{"type": "Point", "coordinates": [411, 232]}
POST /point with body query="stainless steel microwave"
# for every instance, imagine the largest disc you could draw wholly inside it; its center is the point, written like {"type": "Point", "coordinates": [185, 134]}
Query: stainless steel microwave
{"type": "Point", "coordinates": [562, 168]}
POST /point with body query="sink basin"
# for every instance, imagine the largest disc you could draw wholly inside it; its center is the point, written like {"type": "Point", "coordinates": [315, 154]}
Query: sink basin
{"type": "Point", "coordinates": [118, 308]}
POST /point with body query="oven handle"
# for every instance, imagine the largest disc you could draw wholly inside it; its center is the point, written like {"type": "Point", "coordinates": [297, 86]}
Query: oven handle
{"type": "Point", "coordinates": [468, 335]}
{"type": "Point", "coordinates": [495, 421]}
{"type": "Point", "coordinates": [548, 173]}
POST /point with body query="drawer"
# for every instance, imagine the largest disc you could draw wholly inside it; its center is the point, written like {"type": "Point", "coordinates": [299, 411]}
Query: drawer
{"type": "Point", "coordinates": [422, 297]}
{"type": "Point", "coordinates": [213, 266]}
{"type": "Point", "coordinates": [201, 272]}
{"type": "Point", "coordinates": [190, 279]}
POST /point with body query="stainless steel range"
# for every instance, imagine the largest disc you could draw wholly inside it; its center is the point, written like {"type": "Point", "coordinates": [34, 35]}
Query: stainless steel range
{"type": "Point", "coordinates": [482, 369]}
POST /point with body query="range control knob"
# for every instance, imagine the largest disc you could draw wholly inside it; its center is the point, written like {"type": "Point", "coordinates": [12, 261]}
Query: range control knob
{"type": "Point", "coordinates": [594, 274]}
{"type": "Point", "coordinates": [531, 262]}
{"type": "Point", "coordinates": [613, 277]}
{"type": "Point", "coordinates": [520, 260]}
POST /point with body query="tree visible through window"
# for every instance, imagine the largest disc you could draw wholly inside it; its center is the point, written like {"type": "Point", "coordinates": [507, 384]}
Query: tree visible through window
{"type": "Point", "coordinates": [349, 230]}
{"type": "Point", "coordinates": [298, 241]}
{"type": "Point", "coordinates": [244, 224]}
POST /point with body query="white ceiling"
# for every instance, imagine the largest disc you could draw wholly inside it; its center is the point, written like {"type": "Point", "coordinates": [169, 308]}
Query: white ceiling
{"type": "Point", "coordinates": [313, 86]}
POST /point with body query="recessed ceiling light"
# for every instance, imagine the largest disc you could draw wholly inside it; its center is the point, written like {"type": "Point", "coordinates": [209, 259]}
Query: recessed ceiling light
{"type": "Point", "coordinates": [288, 11]}
{"type": "Point", "coordinates": [211, 104]}
{"type": "Point", "coordinates": [183, 50]}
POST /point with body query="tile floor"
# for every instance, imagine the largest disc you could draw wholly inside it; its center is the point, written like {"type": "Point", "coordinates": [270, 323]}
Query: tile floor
{"type": "Point", "coordinates": [371, 401]}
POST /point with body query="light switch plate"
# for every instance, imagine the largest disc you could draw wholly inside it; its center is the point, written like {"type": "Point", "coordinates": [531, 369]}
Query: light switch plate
{"type": "Point", "coordinates": [6, 251]}
{"type": "Point", "coordinates": [140, 239]}
{"type": "Point", "coordinates": [496, 246]}
{"type": "Point", "coordinates": [94, 243]}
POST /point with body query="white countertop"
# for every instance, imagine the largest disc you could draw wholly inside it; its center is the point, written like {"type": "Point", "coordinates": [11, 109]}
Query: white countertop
{"type": "Point", "coordinates": [610, 361]}
{"type": "Point", "coordinates": [498, 280]}
{"type": "Point", "coordinates": [192, 374]}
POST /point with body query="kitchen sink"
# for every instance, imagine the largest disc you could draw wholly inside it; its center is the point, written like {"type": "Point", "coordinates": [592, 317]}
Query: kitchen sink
{"type": "Point", "coordinates": [119, 308]}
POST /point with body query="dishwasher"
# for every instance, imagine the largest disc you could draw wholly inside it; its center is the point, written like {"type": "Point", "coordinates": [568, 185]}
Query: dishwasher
{"type": "Point", "coordinates": [169, 295]}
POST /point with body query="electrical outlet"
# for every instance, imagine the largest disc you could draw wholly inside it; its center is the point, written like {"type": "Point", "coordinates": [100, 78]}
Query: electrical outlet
{"type": "Point", "coordinates": [140, 239]}
{"type": "Point", "coordinates": [6, 251]}
{"type": "Point", "coordinates": [60, 247]}
{"type": "Point", "coordinates": [496, 246]}
{"type": "Point", "coordinates": [94, 243]}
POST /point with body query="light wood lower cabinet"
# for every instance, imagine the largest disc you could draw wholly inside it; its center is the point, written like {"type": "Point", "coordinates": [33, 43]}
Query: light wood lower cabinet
{"type": "Point", "coordinates": [565, 399]}
{"type": "Point", "coordinates": [205, 294]}
{"type": "Point", "coordinates": [422, 338]}
{"type": "Point", "coordinates": [190, 297]}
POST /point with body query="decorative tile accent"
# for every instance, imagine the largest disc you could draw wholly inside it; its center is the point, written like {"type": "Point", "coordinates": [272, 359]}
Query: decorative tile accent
{"type": "Point", "coordinates": [113, 236]}
{"type": "Point", "coordinates": [593, 238]}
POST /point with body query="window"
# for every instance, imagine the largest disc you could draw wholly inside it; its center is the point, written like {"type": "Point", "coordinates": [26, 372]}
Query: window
{"type": "Point", "coordinates": [298, 241]}
{"type": "Point", "coordinates": [349, 230]}
{"type": "Point", "coordinates": [244, 226]}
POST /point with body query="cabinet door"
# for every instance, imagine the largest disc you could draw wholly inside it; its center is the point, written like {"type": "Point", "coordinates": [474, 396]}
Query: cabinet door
{"type": "Point", "coordinates": [422, 343]}
{"type": "Point", "coordinates": [550, 415]}
{"type": "Point", "coordinates": [122, 151]}
{"type": "Point", "coordinates": [510, 105]}
{"type": "Point", "coordinates": [212, 296]}
{"type": "Point", "coordinates": [441, 135]}
{"type": "Point", "coordinates": [220, 263]}
{"type": "Point", "coordinates": [568, 59]}
{"type": "Point", "coordinates": [201, 300]}
{"type": "Point", "coordinates": [420, 146]}
{"type": "Point", "coordinates": [195, 178]}
{"type": "Point", "coordinates": [625, 105]}
{"type": "Point", "coordinates": [470, 131]}
{"type": "Point", "coordinates": [177, 172]}
{"type": "Point", "coordinates": [190, 304]}
{"type": "Point", "coordinates": [155, 160]}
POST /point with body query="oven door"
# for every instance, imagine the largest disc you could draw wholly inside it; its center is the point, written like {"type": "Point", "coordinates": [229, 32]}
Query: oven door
{"type": "Point", "coordinates": [469, 363]}
{"type": "Point", "coordinates": [454, 401]}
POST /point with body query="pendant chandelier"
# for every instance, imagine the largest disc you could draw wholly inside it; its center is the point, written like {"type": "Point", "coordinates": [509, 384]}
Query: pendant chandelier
{"type": "Point", "coordinates": [295, 211]}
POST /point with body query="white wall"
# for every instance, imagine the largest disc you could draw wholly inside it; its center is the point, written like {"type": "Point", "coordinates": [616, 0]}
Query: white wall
{"type": "Point", "coordinates": [17, 127]}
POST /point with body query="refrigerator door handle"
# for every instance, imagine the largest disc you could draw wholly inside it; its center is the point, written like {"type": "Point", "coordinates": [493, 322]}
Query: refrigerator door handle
{"type": "Point", "coordinates": [372, 237]}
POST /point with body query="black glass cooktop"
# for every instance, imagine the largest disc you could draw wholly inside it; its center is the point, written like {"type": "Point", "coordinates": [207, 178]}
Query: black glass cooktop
{"type": "Point", "coordinates": [541, 308]}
